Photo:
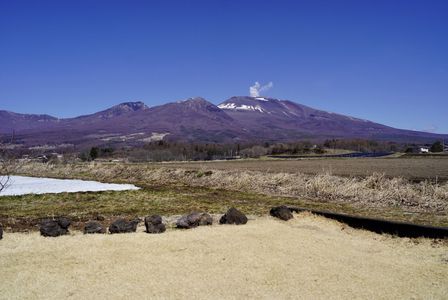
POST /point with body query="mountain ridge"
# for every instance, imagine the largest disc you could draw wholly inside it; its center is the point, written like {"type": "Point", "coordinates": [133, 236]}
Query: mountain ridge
{"type": "Point", "coordinates": [237, 119]}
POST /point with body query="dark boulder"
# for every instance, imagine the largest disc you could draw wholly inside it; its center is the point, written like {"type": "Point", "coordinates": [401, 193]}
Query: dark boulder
{"type": "Point", "coordinates": [282, 212]}
{"type": "Point", "coordinates": [54, 227]}
{"type": "Point", "coordinates": [1, 231]}
{"type": "Point", "coordinates": [93, 227]}
{"type": "Point", "coordinates": [154, 219]}
{"type": "Point", "coordinates": [194, 220]}
{"type": "Point", "coordinates": [233, 216]}
{"type": "Point", "coordinates": [154, 224]}
{"type": "Point", "coordinates": [123, 226]}
{"type": "Point", "coordinates": [64, 222]}
{"type": "Point", "coordinates": [205, 219]}
{"type": "Point", "coordinates": [183, 223]}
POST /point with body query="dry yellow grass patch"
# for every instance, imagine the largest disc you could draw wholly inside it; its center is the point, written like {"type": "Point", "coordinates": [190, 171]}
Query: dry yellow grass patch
{"type": "Point", "coordinates": [308, 257]}
{"type": "Point", "coordinates": [374, 191]}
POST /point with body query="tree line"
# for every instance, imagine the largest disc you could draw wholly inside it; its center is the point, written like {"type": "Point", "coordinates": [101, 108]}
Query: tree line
{"type": "Point", "coordinates": [177, 151]}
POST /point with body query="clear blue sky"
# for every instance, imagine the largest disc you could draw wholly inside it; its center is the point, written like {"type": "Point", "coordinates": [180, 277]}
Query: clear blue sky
{"type": "Point", "coordinates": [386, 61]}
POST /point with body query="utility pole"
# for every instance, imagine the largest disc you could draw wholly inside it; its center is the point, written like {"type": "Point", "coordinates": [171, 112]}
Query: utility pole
{"type": "Point", "coordinates": [13, 136]}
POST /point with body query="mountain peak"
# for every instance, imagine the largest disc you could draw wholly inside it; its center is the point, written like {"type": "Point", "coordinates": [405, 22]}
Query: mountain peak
{"type": "Point", "coordinates": [197, 100]}
{"type": "Point", "coordinates": [247, 103]}
{"type": "Point", "coordinates": [131, 106]}
{"type": "Point", "coordinates": [123, 108]}
{"type": "Point", "coordinates": [117, 110]}
{"type": "Point", "coordinates": [197, 103]}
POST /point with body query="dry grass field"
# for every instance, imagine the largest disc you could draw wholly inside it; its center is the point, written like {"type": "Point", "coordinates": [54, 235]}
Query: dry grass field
{"type": "Point", "coordinates": [306, 258]}
{"type": "Point", "coordinates": [413, 168]}
{"type": "Point", "coordinates": [171, 189]}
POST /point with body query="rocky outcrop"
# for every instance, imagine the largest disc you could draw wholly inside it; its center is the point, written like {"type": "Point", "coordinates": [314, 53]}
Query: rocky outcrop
{"type": "Point", "coordinates": [93, 227]}
{"type": "Point", "coordinates": [154, 224]}
{"type": "Point", "coordinates": [54, 227]}
{"type": "Point", "coordinates": [233, 216]}
{"type": "Point", "coordinates": [123, 226]}
{"type": "Point", "coordinates": [194, 220]}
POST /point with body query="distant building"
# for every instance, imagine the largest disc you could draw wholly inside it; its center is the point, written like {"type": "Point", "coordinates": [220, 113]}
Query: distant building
{"type": "Point", "coordinates": [418, 149]}
{"type": "Point", "coordinates": [423, 150]}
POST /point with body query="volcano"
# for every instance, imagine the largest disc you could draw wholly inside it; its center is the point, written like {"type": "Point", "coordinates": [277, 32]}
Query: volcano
{"type": "Point", "coordinates": [238, 119]}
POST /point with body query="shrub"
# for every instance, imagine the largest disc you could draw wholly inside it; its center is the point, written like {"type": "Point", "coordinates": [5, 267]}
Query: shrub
{"type": "Point", "coordinates": [437, 147]}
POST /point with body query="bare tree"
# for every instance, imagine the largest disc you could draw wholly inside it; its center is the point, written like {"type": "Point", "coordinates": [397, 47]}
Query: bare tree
{"type": "Point", "coordinates": [7, 167]}
{"type": "Point", "coordinates": [5, 177]}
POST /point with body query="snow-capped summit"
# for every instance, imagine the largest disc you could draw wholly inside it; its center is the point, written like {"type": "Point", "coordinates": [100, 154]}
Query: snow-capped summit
{"type": "Point", "coordinates": [277, 107]}
{"type": "Point", "coordinates": [259, 105]}
{"type": "Point", "coordinates": [284, 119]}
{"type": "Point", "coordinates": [241, 107]}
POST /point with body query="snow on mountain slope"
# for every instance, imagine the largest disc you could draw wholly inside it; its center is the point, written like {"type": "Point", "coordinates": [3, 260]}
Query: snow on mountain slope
{"type": "Point", "coordinates": [236, 120]}
{"type": "Point", "coordinates": [241, 107]}
{"type": "Point", "coordinates": [286, 120]}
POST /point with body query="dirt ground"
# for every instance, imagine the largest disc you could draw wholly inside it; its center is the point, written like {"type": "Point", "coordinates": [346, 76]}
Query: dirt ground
{"type": "Point", "coordinates": [308, 257]}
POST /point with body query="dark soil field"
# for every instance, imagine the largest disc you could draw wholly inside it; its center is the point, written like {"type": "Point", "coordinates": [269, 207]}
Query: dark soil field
{"type": "Point", "coordinates": [413, 168]}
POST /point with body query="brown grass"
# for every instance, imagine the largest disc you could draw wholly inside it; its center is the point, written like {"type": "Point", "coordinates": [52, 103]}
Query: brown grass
{"type": "Point", "coordinates": [308, 257]}
{"type": "Point", "coordinates": [22, 213]}
{"type": "Point", "coordinates": [375, 190]}
{"type": "Point", "coordinates": [412, 168]}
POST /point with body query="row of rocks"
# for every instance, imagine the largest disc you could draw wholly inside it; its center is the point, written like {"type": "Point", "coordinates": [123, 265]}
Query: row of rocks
{"type": "Point", "coordinates": [59, 226]}
{"type": "Point", "coordinates": [153, 224]}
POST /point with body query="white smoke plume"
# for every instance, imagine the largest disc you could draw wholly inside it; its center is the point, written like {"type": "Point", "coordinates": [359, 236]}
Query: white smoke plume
{"type": "Point", "coordinates": [257, 88]}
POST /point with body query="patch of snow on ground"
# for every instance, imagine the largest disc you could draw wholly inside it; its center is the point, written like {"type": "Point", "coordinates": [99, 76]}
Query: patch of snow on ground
{"type": "Point", "coordinates": [21, 185]}
{"type": "Point", "coordinates": [261, 99]}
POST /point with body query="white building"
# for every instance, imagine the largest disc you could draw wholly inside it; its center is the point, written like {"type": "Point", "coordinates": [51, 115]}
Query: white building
{"type": "Point", "coordinates": [423, 149]}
